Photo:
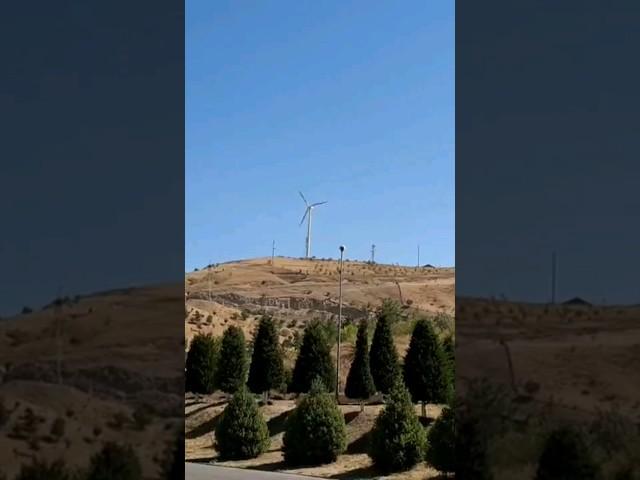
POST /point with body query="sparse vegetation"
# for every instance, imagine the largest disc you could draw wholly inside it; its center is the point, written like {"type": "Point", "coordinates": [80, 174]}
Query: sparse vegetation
{"type": "Point", "coordinates": [114, 462]}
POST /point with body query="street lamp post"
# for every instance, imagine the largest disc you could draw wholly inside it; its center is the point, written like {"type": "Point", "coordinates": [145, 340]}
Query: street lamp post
{"type": "Point", "coordinates": [339, 325]}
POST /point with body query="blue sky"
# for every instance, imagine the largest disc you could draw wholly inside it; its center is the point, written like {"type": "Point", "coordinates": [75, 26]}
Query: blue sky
{"type": "Point", "coordinates": [350, 102]}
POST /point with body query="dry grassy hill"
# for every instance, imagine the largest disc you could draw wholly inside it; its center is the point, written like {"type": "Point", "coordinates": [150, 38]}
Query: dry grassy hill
{"type": "Point", "coordinates": [295, 291]}
{"type": "Point", "coordinates": [119, 378]}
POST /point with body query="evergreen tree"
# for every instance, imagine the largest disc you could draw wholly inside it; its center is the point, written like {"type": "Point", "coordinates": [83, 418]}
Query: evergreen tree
{"type": "Point", "coordinates": [41, 470]}
{"type": "Point", "coordinates": [449, 348]}
{"type": "Point", "coordinates": [383, 357]}
{"type": "Point", "coordinates": [441, 442]}
{"type": "Point", "coordinates": [359, 381]}
{"type": "Point", "coordinates": [242, 432]}
{"type": "Point", "coordinates": [425, 366]}
{"type": "Point", "coordinates": [398, 440]}
{"type": "Point", "coordinates": [114, 462]}
{"type": "Point", "coordinates": [267, 370]}
{"type": "Point", "coordinates": [201, 364]}
{"type": "Point", "coordinates": [566, 456]}
{"type": "Point", "coordinates": [471, 449]}
{"type": "Point", "coordinates": [315, 433]}
{"type": "Point", "coordinates": [314, 361]}
{"type": "Point", "coordinates": [231, 372]}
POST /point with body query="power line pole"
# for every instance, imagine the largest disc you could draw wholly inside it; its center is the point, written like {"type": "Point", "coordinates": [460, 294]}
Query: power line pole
{"type": "Point", "coordinates": [273, 251]}
{"type": "Point", "coordinates": [339, 325]}
{"type": "Point", "coordinates": [373, 254]}
{"type": "Point", "coordinates": [554, 267]}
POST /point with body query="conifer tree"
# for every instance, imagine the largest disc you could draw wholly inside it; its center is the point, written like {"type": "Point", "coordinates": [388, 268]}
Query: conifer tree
{"type": "Point", "coordinates": [441, 442]}
{"type": "Point", "coordinates": [201, 364]}
{"type": "Point", "coordinates": [566, 455]}
{"type": "Point", "coordinates": [231, 373]}
{"type": "Point", "coordinates": [383, 357]}
{"type": "Point", "coordinates": [315, 432]}
{"type": "Point", "coordinates": [314, 361]}
{"type": "Point", "coordinates": [398, 440]}
{"type": "Point", "coordinates": [425, 366]}
{"type": "Point", "coordinates": [267, 370]}
{"type": "Point", "coordinates": [359, 380]}
{"type": "Point", "coordinates": [242, 432]}
{"type": "Point", "coordinates": [114, 462]}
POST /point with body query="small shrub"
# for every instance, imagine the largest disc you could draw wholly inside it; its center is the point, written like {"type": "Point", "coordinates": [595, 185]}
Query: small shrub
{"type": "Point", "coordinates": [567, 456]}
{"type": "Point", "coordinates": [441, 442]}
{"type": "Point", "coordinates": [315, 432]}
{"type": "Point", "coordinates": [58, 427]}
{"type": "Point", "coordinates": [242, 432]}
{"type": "Point", "coordinates": [114, 462]}
{"type": "Point", "coordinates": [41, 470]}
{"type": "Point", "coordinates": [398, 439]}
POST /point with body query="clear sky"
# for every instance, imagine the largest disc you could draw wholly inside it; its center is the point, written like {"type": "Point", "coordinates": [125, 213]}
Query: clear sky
{"type": "Point", "coordinates": [351, 102]}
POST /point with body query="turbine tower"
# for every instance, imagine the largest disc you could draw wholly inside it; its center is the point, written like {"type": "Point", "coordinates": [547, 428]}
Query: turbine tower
{"type": "Point", "coordinates": [307, 215]}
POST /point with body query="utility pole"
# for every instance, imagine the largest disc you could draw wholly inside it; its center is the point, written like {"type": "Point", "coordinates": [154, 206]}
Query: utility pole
{"type": "Point", "coordinates": [273, 251]}
{"type": "Point", "coordinates": [373, 254]}
{"type": "Point", "coordinates": [339, 325]}
{"type": "Point", "coordinates": [554, 267]}
{"type": "Point", "coordinates": [418, 256]}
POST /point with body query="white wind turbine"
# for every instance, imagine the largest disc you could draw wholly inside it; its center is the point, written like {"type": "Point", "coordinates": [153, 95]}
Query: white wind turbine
{"type": "Point", "coordinates": [307, 215]}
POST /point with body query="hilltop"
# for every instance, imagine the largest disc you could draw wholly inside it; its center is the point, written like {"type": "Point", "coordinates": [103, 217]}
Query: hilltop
{"type": "Point", "coordinates": [301, 289]}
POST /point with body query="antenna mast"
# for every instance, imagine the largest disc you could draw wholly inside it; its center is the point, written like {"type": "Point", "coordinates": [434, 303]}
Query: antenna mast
{"type": "Point", "coordinates": [418, 256]}
{"type": "Point", "coordinates": [273, 251]}
{"type": "Point", "coordinates": [373, 253]}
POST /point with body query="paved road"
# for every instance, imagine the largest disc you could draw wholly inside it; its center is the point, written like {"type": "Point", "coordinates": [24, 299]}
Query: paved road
{"type": "Point", "coordinates": [200, 471]}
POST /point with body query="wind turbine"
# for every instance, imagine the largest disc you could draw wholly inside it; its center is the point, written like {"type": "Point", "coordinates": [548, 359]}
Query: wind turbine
{"type": "Point", "coordinates": [307, 215]}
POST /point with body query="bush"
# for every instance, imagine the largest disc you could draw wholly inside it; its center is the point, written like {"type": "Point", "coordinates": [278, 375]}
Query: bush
{"type": "Point", "coordinates": [471, 449]}
{"type": "Point", "coordinates": [315, 433]}
{"type": "Point", "coordinates": [242, 431]}
{"type": "Point", "coordinates": [359, 380]}
{"type": "Point", "coordinates": [266, 369]}
{"type": "Point", "coordinates": [441, 442]}
{"type": "Point", "coordinates": [114, 462]}
{"type": "Point", "coordinates": [314, 361]}
{"type": "Point", "coordinates": [398, 439]}
{"type": "Point", "coordinates": [58, 427]}
{"type": "Point", "coordinates": [425, 367]}
{"type": "Point", "coordinates": [383, 357]}
{"type": "Point", "coordinates": [232, 362]}
{"type": "Point", "coordinates": [201, 364]}
{"type": "Point", "coordinates": [567, 456]}
{"type": "Point", "coordinates": [41, 470]}
{"type": "Point", "coordinates": [173, 466]}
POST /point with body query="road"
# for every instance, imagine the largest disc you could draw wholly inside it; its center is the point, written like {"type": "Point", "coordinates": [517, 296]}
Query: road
{"type": "Point", "coordinates": [200, 471]}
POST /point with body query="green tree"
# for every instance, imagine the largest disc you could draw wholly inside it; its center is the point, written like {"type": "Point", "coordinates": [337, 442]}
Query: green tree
{"type": "Point", "coordinates": [425, 366]}
{"type": "Point", "coordinates": [315, 433]}
{"type": "Point", "coordinates": [201, 364]}
{"type": "Point", "coordinates": [314, 361]}
{"type": "Point", "coordinates": [449, 347]}
{"type": "Point", "coordinates": [41, 470]}
{"type": "Point", "coordinates": [114, 462]}
{"type": "Point", "coordinates": [471, 448]}
{"type": "Point", "coordinates": [441, 442]}
{"type": "Point", "coordinates": [383, 357]}
{"type": "Point", "coordinates": [231, 372]}
{"type": "Point", "coordinates": [359, 380]}
{"type": "Point", "coordinates": [242, 431]}
{"type": "Point", "coordinates": [267, 370]}
{"type": "Point", "coordinates": [566, 456]}
{"type": "Point", "coordinates": [398, 439]}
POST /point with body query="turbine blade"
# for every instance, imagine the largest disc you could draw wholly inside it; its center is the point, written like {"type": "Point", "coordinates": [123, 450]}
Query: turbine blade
{"type": "Point", "coordinates": [304, 216]}
{"type": "Point", "coordinates": [319, 203]}
{"type": "Point", "coordinates": [304, 199]}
